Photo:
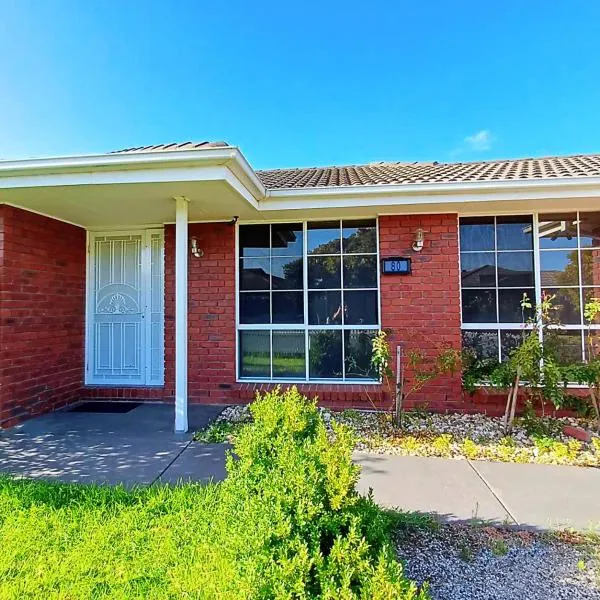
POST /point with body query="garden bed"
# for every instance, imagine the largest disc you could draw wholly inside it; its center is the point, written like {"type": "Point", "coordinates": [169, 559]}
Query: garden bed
{"type": "Point", "coordinates": [477, 437]}
{"type": "Point", "coordinates": [477, 562]}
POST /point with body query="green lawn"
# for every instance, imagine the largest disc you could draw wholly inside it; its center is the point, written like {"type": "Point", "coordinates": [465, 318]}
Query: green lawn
{"type": "Point", "coordinates": [73, 541]}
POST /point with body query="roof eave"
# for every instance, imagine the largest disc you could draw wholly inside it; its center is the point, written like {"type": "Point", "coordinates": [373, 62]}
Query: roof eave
{"type": "Point", "coordinates": [434, 188]}
{"type": "Point", "coordinates": [229, 156]}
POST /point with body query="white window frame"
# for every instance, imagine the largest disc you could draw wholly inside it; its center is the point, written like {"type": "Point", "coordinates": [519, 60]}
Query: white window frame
{"type": "Point", "coordinates": [147, 333]}
{"type": "Point", "coordinates": [499, 327]}
{"type": "Point", "coordinates": [305, 327]}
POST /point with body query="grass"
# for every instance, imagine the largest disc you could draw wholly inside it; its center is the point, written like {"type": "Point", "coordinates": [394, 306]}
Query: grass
{"type": "Point", "coordinates": [72, 541]}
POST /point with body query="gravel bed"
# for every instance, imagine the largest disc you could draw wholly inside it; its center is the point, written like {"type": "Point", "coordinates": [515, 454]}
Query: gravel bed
{"type": "Point", "coordinates": [476, 566]}
{"type": "Point", "coordinates": [457, 435]}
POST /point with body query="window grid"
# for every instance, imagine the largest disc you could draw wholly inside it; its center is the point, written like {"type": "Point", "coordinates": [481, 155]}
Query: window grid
{"type": "Point", "coordinates": [499, 327]}
{"type": "Point", "coordinates": [305, 326]}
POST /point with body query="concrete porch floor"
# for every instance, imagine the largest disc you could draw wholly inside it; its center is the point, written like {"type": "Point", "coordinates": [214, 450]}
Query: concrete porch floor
{"type": "Point", "coordinates": [140, 448]}
{"type": "Point", "coordinates": [137, 447]}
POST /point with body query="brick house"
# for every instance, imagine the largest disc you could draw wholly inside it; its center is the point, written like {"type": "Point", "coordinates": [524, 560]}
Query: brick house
{"type": "Point", "coordinates": [178, 273]}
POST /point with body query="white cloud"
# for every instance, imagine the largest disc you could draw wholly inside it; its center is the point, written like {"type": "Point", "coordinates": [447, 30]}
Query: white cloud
{"type": "Point", "coordinates": [480, 141]}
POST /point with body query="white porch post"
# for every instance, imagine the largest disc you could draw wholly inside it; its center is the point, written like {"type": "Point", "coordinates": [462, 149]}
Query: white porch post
{"type": "Point", "coordinates": [181, 314]}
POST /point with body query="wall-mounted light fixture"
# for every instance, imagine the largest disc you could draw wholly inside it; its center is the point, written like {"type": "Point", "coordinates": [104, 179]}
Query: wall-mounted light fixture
{"type": "Point", "coordinates": [196, 251]}
{"type": "Point", "coordinates": [419, 240]}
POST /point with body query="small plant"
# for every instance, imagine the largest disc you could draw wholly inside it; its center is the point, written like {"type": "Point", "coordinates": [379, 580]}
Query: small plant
{"type": "Point", "coordinates": [537, 426]}
{"type": "Point", "coordinates": [442, 445]}
{"type": "Point", "coordinates": [218, 432]}
{"type": "Point", "coordinates": [470, 449]}
{"type": "Point", "coordinates": [465, 552]}
{"type": "Point", "coordinates": [588, 372]}
{"type": "Point", "coordinates": [421, 367]}
{"type": "Point", "coordinates": [499, 547]}
{"type": "Point", "coordinates": [533, 366]}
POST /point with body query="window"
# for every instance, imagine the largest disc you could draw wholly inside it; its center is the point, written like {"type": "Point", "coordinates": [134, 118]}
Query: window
{"type": "Point", "coordinates": [308, 302]}
{"type": "Point", "coordinates": [504, 257]}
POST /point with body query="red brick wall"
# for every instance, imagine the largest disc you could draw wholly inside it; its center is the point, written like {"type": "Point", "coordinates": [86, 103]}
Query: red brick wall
{"type": "Point", "coordinates": [422, 310]}
{"type": "Point", "coordinates": [42, 300]}
{"type": "Point", "coordinates": [421, 307]}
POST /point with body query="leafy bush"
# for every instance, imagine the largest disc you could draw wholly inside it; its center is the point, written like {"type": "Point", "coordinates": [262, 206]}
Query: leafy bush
{"type": "Point", "coordinates": [286, 523]}
{"type": "Point", "coordinates": [319, 538]}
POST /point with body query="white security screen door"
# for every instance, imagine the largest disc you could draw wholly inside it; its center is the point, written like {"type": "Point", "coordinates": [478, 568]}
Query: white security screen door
{"type": "Point", "coordinates": [125, 344]}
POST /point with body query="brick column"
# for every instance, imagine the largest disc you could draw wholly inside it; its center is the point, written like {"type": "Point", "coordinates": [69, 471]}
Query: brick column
{"type": "Point", "coordinates": [422, 310]}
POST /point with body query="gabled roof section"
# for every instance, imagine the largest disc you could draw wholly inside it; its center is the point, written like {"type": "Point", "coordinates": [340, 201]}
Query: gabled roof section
{"type": "Point", "coordinates": [406, 173]}
{"type": "Point", "coordinates": [174, 147]}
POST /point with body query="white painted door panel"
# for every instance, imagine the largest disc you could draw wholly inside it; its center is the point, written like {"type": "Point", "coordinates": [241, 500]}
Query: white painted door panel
{"type": "Point", "coordinates": [125, 309]}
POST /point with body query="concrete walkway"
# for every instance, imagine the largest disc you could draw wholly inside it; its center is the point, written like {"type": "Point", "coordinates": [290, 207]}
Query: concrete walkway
{"type": "Point", "coordinates": [139, 447]}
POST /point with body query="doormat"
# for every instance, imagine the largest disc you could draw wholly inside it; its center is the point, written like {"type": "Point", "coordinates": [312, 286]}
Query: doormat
{"type": "Point", "coordinates": [105, 407]}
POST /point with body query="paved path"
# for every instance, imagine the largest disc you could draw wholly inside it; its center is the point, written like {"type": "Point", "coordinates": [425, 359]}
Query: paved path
{"type": "Point", "coordinates": [530, 495]}
{"type": "Point", "coordinates": [139, 447]}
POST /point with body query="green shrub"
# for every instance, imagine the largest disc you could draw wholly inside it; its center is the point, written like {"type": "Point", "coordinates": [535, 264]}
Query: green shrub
{"type": "Point", "coordinates": [286, 523]}
{"type": "Point", "coordinates": [320, 539]}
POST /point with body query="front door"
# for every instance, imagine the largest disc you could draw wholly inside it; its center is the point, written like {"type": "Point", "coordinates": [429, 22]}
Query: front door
{"type": "Point", "coordinates": [125, 308]}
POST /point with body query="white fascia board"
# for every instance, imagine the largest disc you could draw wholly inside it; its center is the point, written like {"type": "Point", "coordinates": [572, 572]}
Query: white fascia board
{"type": "Point", "coordinates": [196, 165]}
{"type": "Point", "coordinates": [115, 161]}
{"type": "Point", "coordinates": [426, 194]}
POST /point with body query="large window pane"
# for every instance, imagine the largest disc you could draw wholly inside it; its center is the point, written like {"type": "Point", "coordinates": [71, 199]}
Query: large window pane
{"type": "Point", "coordinates": [589, 229]}
{"type": "Point", "coordinates": [358, 349]}
{"type": "Point", "coordinates": [287, 273]}
{"type": "Point", "coordinates": [255, 354]}
{"type": "Point", "coordinates": [515, 269]}
{"type": "Point", "coordinates": [514, 233]}
{"type": "Point", "coordinates": [325, 354]}
{"type": "Point", "coordinates": [360, 308]}
{"type": "Point", "coordinates": [275, 286]}
{"type": "Point", "coordinates": [559, 268]}
{"type": "Point", "coordinates": [324, 237]}
{"type": "Point", "coordinates": [254, 240]}
{"type": "Point", "coordinates": [360, 271]}
{"type": "Point", "coordinates": [289, 355]}
{"type": "Point", "coordinates": [287, 240]}
{"type": "Point", "coordinates": [325, 308]}
{"type": "Point", "coordinates": [254, 308]}
{"type": "Point", "coordinates": [324, 272]}
{"type": "Point", "coordinates": [477, 233]}
{"type": "Point", "coordinates": [484, 343]}
{"type": "Point", "coordinates": [479, 306]}
{"type": "Point", "coordinates": [478, 269]}
{"type": "Point", "coordinates": [558, 230]}
{"type": "Point", "coordinates": [509, 305]}
{"type": "Point", "coordinates": [590, 267]}
{"type": "Point", "coordinates": [566, 302]}
{"type": "Point", "coordinates": [359, 236]}
{"type": "Point", "coordinates": [288, 307]}
{"type": "Point", "coordinates": [255, 274]}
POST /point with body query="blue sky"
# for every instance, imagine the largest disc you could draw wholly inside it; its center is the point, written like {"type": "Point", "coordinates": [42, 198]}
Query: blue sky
{"type": "Point", "coordinates": [303, 83]}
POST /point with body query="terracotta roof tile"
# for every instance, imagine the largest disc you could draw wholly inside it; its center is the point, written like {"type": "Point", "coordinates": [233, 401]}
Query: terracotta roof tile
{"type": "Point", "coordinates": [405, 173]}
{"type": "Point", "coordinates": [175, 147]}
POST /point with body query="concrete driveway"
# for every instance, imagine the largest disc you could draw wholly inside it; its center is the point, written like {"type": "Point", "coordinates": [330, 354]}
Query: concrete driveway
{"type": "Point", "coordinates": [139, 447]}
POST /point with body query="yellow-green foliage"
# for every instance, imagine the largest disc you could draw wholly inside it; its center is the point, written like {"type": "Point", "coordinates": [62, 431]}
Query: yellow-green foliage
{"type": "Point", "coordinates": [442, 445]}
{"type": "Point", "coordinates": [470, 449]}
{"type": "Point", "coordinates": [286, 523]}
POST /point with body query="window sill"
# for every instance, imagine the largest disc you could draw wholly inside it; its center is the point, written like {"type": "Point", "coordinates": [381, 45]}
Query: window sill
{"type": "Point", "coordinates": [310, 382]}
